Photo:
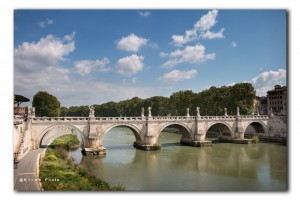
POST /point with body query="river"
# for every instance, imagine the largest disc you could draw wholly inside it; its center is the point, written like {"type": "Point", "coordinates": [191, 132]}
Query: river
{"type": "Point", "coordinates": [222, 167]}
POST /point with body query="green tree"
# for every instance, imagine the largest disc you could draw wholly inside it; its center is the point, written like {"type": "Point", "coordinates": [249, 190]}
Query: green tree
{"type": "Point", "coordinates": [64, 111]}
{"type": "Point", "coordinates": [158, 104]}
{"type": "Point", "coordinates": [20, 99]}
{"type": "Point", "coordinates": [180, 101]}
{"type": "Point", "coordinates": [46, 105]}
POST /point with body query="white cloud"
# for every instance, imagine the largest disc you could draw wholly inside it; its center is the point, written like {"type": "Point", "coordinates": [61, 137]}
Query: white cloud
{"type": "Point", "coordinates": [266, 81]}
{"type": "Point", "coordinates": [163, 54]}
{"type": "Point", "coordinates": [206, 21]}
{"type": "Point", "coordinates": [70, 37]}
{"type": "Point", "coordinates": [131, 43]}
{"type": "Point", "coordinates": [201, 29]}
{"type": "Point", "coordinates": [48, 51]}
{"type": "Point", "coordinates": [176, 76]}
{"type": "Point", "coordinates": [191, 54]}
{"type": "Point", "coordinates": [36, 65]}
{"type": "Point", "coordinates": [144, 13]}
{"type": "Point", "coordinates": [129, 65]}
{"type": "Point", "coordinates": [72, 92]}
{"type": "Point", "coordinates": [37, 68]}
{"type": "Point", "coordinates": [46, 22]}
{"type": "Point", "coordinates": [85, 67]}
{"type": "Point", "coordinates": [213, 35]}
{"type": "Point", "coordinates": [170, 63]}
{"type": "Point", "coordinates": [234, 44]}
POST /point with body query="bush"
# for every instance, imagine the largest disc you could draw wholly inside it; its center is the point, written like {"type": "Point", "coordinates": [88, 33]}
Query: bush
{"type": "Point", "coordinates": [56, 165]}
{"type": "Point", "coordinates": [255, 139]}
{"type": "Point", "coordinates": [51, 158]}
{"type": "Point", "coordinates": [61, 152]}
{"type": "Point", "coordinates": [157, 147]}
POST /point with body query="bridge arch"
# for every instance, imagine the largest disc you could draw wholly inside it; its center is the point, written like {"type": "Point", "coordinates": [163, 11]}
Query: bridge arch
{"type": "Point", "coordinates": [185, 131]}
{"type": "Point", "coordinates": [45, 133]}
{"type": "Point", "coordinates": [255, 127]}
{"type": "Point", "coordinates": [136, 131]}
{"type": "Point", "coordinates": [223, 128]}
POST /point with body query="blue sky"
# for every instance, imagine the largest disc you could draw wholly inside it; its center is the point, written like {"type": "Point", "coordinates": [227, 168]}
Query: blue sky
{"type": "Point", "coordinates": [88, 57]}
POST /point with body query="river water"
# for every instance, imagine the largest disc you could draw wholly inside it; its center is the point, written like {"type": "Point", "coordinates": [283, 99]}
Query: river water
{"type": "Point", "coordinates": [222, 167]}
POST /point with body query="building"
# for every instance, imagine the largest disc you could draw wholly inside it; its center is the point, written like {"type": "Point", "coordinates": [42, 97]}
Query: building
{"type": "Point", "coordinates": [277, 100]}
{"type": "Point", "coordinates": [19, 111]}
{"type": "Point", "coordinates": [260, 106]}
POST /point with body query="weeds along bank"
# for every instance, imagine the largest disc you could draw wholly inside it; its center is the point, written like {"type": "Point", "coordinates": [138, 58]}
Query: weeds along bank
{"type": "Point", "coordinates": [58, 172]}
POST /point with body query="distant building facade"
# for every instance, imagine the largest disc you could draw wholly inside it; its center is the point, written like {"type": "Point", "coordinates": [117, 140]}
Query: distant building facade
{"type": "Point", "coordinates": [277, 100]}
{"type": "Point", "coordinates": [19, 111]}
{"type": "Point", "coordinates": [260, 106]}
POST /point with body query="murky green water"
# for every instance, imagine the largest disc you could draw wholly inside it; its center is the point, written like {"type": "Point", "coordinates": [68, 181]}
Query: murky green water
{"type": "Point", "coordinates": [223, 167]}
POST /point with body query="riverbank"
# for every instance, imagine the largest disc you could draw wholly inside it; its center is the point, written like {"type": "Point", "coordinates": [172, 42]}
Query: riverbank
{"type": "Point", "coordinates": [58, 172]}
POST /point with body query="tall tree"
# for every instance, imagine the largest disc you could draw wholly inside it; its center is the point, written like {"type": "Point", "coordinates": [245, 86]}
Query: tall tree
{"type": "Point", "coordinates": [180, 101]}
{"type": "Point", "coordinates": [46, 105]}
{"type": "Point", "coordinates": [20, 99]}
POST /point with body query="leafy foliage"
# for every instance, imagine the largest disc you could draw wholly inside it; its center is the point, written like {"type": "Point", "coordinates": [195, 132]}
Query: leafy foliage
{"type": "Point", "coordinates": [68, 141]}
{"type": "Point", "coordinates": [211, 102]}
{"type": "Point", "coordinates": [57, 172]}
{"type": "Point", "coordinates": [46, 105]}
{"type": "Point", "coordinates": [20, 99]}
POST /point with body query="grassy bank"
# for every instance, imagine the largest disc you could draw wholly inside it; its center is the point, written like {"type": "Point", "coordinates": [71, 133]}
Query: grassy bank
{"type": "Point", "coordinates": [58, 172]}
{"type": "Point", "coordinates": [69, 142]}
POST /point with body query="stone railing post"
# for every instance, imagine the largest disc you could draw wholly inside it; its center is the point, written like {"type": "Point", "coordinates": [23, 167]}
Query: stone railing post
{"type": "Point", "coordinates": [187, 112]}
{"type": "Point", "coordinates": [142, 114]}
{"type": "Point", "coordinates": [149, 112]}
{"type": "Point", "coordinates": [225, 112]}
{"type": "Point", "coordinates": [198, 111]}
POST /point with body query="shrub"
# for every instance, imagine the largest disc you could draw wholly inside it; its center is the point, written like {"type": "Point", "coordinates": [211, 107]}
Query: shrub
{"type": "Point", "coordinates": [255, 139]}
{"type": "Point", "coordinates": [61, 152]}
{"type": "Point", "coordinates": [157, 147]}
{"type": "Point", "coordinates": [51, 158]}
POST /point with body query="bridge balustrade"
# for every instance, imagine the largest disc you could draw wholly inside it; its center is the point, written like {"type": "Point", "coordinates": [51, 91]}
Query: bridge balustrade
{"type": "Point", "coordinates": [114, 119]}
{"type": "Point", "coordinates": [154, 118]}
{"type": "Point", "coordinates": [254, 116]}
{"type": "Point", "coordinates": [162, 118]}
{"type": "Point", "coordinates": [216, 117]}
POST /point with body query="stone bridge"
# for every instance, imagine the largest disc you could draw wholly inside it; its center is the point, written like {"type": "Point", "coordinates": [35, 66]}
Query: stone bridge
{"type": "Point", "coordinates": [147, 129]}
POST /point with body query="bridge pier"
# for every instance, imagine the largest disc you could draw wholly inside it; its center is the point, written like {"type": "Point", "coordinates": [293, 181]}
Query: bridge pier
{"type": "Point", "coordinates": [199, 141]}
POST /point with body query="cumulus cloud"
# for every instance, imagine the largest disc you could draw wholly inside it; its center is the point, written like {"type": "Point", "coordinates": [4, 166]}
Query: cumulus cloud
{"type": "Point", "coordinates": [266, 81]}
{"type": "Point", "coordinates": [131, 43]}
{"type": "Point", "coordinates": [84, 67]}
{"type": "Point", "coordinates": [48, 51]}
{"type": "Point", "coordinates": [213, 35]}
{"type": "Point", "coordinates": [45, 23]}
{"type": "Point", "coordinates": [70, 37]}
{"type": "Point", "coordinates": [176, 76]}
{"type": "Point", "coordinates": [129, 65]}
{"type": "Point", "coordinates": [190, 54]}
{"type": "Point", "coordinates": [200, 30]}
{"type": "Point", "coordinates": [144, 13]}
{"type": "Point", "coordinates": [36, 64]}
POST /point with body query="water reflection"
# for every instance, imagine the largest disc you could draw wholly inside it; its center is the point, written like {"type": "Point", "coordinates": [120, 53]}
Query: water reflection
{"type": "Point", "coordinates": [224, 166]}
